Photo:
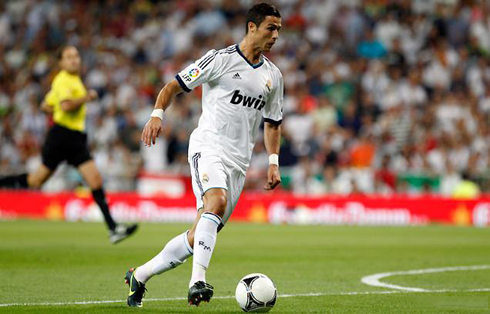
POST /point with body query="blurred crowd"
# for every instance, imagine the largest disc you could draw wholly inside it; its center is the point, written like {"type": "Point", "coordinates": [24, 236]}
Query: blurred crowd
{"type": "Point", "coordinates": [381, 96]}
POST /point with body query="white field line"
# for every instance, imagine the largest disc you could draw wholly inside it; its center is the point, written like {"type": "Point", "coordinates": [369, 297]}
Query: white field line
{"type": "Point", "coordinates": [232, 297]}
{"type": "Point", "coordinates": [375, 280]}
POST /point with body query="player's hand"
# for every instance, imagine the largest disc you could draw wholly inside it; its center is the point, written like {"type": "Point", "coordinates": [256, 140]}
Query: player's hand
{"type": "Point", "coordinates": [46, 108]}
{"type": "Point", "coordinates": [151, 131]}
{"type": "Point", "coordinates": [273, 177]}
{"type": "Point", "coordinates": [92, 94]}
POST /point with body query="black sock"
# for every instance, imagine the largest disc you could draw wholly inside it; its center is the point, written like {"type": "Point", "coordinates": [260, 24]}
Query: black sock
{"type": "Point", "coordinates": [14, 182]}
{"type": "Point", "coordinates": [99, 197]}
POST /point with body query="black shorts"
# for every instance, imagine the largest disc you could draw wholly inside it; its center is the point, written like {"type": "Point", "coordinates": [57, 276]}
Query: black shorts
{"type": "Point", "coordinates": [65, 144]}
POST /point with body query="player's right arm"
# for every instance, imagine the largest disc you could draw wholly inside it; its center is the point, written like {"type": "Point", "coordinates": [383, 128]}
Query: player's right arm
{"type": "Point", "coordinates": [73, 104]}
{"type": "Point", "coordinates": [62, 88]}
{"type": "Point", "coordinates": [154, 126]}
{"type": "Point", "coordinates": [207, 68]}
{"type": "Point", "coordinates": [47, 103]}
{"type": "Point", "coordinates": [63, 91]}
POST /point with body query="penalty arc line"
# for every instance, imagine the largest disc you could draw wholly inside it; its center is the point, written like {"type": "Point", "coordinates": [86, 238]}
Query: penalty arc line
{"type": "Point", "coordinates": [375, 279]}
{"type": "Point", "coordinates": [232, 297]}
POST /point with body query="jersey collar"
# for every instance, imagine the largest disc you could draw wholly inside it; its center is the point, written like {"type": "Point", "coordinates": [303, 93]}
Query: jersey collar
{"type": "Point", "coordinates": [255, 66]}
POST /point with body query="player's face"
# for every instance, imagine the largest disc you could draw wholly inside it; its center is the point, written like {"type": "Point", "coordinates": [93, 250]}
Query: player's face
{"type": "Point", "coordinates": [267, 33]}
{"type": "Point", "coordinates": [70, 60]}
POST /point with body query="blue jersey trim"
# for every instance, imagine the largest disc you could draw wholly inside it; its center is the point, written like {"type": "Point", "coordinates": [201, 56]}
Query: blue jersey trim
{"type": "Point", "coordinates": [272, 121]}
{"type": "Point", "coordinates": [255, 66]}
{"type": "Point", "coordinates": [182, 84]}
{"type": "Point", "coordinates": [214, 187]}
{"type": "Point", "coordinates": [217, 223]}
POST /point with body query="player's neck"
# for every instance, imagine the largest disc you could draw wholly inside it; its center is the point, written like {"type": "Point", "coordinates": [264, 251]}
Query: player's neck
{"type": "Point", "coordinates": [71, 72]}
{"type": "Point", "coordinates": [250, 51]}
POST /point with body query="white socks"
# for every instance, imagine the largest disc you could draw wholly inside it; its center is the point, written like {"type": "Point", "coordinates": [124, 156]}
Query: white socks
{"type": "Point", "coordinates": [178, 250]}
{"type": "Point", "coordinates": [204, 242]}
{"type": "Point", "coordinates": [173, 254]}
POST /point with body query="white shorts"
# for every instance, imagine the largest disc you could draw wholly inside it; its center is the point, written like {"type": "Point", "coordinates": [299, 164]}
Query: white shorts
{"type": "Point", "coordinates": [209, 171]}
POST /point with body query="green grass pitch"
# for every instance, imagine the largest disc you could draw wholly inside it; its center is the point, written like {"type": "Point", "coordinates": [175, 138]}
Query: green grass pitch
{"type": "Point", "coordinates": [50, 266]}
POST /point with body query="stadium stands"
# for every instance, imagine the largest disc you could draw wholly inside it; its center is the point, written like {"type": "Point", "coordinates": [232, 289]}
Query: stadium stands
{"type": "Point", "coordinates": [381, 96]}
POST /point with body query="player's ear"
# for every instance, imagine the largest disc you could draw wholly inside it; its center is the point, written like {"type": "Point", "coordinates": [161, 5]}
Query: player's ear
{"type": "Point", "coordinates": [252, 27]}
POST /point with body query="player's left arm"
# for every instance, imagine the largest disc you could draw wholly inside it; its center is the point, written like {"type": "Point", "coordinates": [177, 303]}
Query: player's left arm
{"type": "Point", "coordinates": [272, 140]}
{"type": "Point", "coordinates": [197, 73]}
{"type": "Point", "coordinates": [153, 127]}
{"type": "Point", "coordinates": [272, 128]}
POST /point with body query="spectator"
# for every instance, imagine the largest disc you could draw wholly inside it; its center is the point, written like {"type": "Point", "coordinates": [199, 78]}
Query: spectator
{"type": "Point", "coordinates": [370, 47]}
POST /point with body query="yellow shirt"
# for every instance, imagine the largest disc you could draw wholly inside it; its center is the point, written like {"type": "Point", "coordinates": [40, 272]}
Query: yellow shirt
{"type": "Point", "coordinates": [466, 190]}
{"type": "Point", "coordinates": [67, 86]}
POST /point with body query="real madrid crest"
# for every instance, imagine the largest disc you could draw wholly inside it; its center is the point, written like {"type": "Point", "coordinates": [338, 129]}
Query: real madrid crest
{"type": "Point", "coordinates": [269, 85]}
{"type": "Point", "coordinates": [205, 178]}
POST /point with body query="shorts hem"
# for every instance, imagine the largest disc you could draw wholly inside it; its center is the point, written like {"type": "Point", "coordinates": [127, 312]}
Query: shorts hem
{"type": "Point", "coordinates": [213, 187]}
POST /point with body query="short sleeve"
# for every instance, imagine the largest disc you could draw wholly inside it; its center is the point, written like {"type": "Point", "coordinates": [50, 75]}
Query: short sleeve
{"type": "Point", "coordinates": [273, 108]}
{"type": "Point", "coordinates": [205, 69]}
{"type": "Point", "coordinates": [50, 98]}
{"type": "Point", "coordinates": [61, 89]}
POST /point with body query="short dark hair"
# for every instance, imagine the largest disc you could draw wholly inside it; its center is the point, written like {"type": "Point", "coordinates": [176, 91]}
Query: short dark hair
{"type": "Point", "coordinates": [59, 52]}
{"type": "Point", "coordinates": [259, 12]}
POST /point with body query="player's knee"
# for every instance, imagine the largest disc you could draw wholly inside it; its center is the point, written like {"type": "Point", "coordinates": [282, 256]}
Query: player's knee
{"type": "Point", "coordinates": [215, 201]}
{"type": "Point", "coordinates": [98, 182]}
{"type": "Point", "coordinates": [218, 205]}
{"type": "Point", "coordinates": [95, 181]}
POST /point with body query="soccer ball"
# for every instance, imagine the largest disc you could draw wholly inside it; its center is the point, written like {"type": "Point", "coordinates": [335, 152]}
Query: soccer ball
{"type": "Point", "coordinates": [256, 293]}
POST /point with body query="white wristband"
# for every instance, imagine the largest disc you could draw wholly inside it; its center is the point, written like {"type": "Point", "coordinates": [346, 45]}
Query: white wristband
{"type": "Point", "coordinates": [157, 113]}
{"type": "Point", "coordinates": [274, 159]}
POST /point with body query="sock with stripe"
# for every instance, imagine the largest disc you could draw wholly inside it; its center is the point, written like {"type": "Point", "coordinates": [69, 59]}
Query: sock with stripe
{"type": "Point", "coordinates": [204, 242]}
{"type": "Point", "coordinates": [175, 252]}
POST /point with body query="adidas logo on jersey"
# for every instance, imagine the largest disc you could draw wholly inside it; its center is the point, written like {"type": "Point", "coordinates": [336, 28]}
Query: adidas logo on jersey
{"type": "Point", "coordinates": [247, 101]}
{"type": "Point", "coordinates": [236, 76]}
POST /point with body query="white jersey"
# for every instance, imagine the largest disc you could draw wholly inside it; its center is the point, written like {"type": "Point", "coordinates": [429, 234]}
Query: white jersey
{"type": "Point", "coordinates": [236, 96]}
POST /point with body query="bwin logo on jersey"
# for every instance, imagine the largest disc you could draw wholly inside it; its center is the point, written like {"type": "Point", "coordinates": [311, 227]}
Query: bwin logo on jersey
{"type": "Point", "coordinates": [247, 101]}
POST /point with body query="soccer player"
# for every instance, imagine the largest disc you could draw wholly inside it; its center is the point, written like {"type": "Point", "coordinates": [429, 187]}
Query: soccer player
{"type": "Point", "coordinates": [67, 140]}
{"type": "Point", "coordinates": [240, 87]}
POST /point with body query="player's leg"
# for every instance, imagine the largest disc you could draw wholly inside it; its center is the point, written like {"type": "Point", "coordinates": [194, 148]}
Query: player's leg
{"type": "Point", "coordinates": [218, 207]}
{"type": "Point", "coordinates": [211, 178]}
{"type": "Point", "coordinates": [93, 179]}
{"type": "Point", "coordinates": [23, 181]}
{"type": "Point", "coordinates": [178, 249]}
{"type": "Point", "coordinates": [52, 154]}
{"type": "Point", "coordinates": [14, 182]}
{"type": "Point", "coordinates": [78, 155]}
{"type": "Point", "coordinates": [37, 178]}
{"type": "Point", "coordinates": [203, 237]}
{"type": "Point", "coordinates": [175, 253]}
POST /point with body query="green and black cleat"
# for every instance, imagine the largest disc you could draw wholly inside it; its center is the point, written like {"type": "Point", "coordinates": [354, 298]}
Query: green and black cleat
{"type": "Point", "coordinates": [200, 291]}
{"type": "Point", "coordinates": [136, 289]}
